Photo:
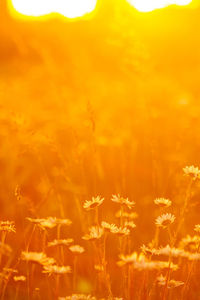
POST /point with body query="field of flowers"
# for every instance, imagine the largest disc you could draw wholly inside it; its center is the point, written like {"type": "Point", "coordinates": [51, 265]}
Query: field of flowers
{"type": "Point", "coordinates": [99, 156]}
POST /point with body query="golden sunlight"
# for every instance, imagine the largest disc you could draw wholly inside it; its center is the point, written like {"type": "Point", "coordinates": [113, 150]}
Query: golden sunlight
{"type": "Point", "coordinates": [67, 8]}
{"type": "Point", "coordinates": [99, 150]}
{"type": "Point", "coordinates": [150, 5]}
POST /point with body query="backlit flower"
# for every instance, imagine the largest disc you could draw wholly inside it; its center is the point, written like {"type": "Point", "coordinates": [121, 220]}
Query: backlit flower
{"type": "Point", "coordinates": [37, 257]}
{"type": "Point", "coordinates": [161, 280]}
{"type": "Point", "coordinates": [95, 202]}
{"type": "Point", "coordinates": [140, 262]}
{"type": "Point", "coordinates": [126, 215]}
{"type": "Point", "coordinates": [64, 242]}
{"type": "Point", "coordinates": [95, 232]}
{"type": "Point", "coordinates": [99, 268]}
{"type": "Point", "coordinates": [50, 269]}
{"type": "Point", "coordinates": [120, 231]}
{"type": "Point", "coordinates": [129, 224]}
{"type": "Point", "coordinates": [170, 251]}
{"type": "Point", "coordinates": [192, 171]}
{"type": "Point", "coordinates": [7, 226]}
{"type": "Point", "coordinates": [162, 202]}
{"type": "Point", "coordinates": [50, 222]}
{"type": "Point", "coordinates": [122, 201]}
{"type": "Point", "coordinates": [165, 220]}
{"type": "Point", "coordinates": [190, 242]}
{"type": "Point", "coordinates": [19, 278]}
{"type": "Point", "coordinates": [197, 228]}
{"type": "Point", "coordinates": [76, 249]}
{"type": "Point", "coordinates": [127, 259]}
{"type": "Point", "coordinates": [148, 250]}
{"type": "Point", "coordinates": [108, 227]}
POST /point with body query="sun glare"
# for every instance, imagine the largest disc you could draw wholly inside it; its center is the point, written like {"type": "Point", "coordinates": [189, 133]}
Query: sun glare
{"type": "Point", "coordinates": [77, 8]}
{"type": "Point", "coordinates": [150, 5]}
{"type": "Point", "coordinates": [67, 8]}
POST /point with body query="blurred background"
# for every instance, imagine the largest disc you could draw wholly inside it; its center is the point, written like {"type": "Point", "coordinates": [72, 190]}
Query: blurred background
{"type": "Point", "coordinates": [98, 105]}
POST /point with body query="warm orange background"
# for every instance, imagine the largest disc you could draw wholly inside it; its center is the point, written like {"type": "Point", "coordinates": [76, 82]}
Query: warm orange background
{"type": "Point", "coordinates": [103, 105]}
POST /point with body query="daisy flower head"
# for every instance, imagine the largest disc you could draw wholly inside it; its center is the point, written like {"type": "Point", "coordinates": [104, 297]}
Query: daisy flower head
{"type": "Point", "coordinates": [108, 227]}
{"type": "Point", "coordinates": [148, 250]}
{"type": "Point", "coordinates": [76, 249]}
{"type": "Point", "coordinates": [95, 202]}
{"type": "Point", "coordinates": [197, 228]}
{"type": "Point", "coordinates": [95, 233]}
{"type": "Point", "coordinates": [126, 215]}
{"type": "Point", "coordinates": [50, 269]}
{"type": "Point", "coordinates": [170, 251]}
{"type": "Point", "coordinates": [165, 220]}
{"type": "Point", "coordinates": [7, 226]}
{"type": "Point", "coordinates": [19, 278]}
{"type": "Point", "coordinates": [60, 242]}
{"type": "Point", "coordinates": [127, 259]}
{"type": "Point", "coordinates": [162, 280]}
{"type": "Point", "coordinates": [123, 201]}
{"type": "Point", "coordinates": [163, 202]}
{"type": "Point", "coordinates": [192, 256]}
{"type": "Point", "coordinates": [37, 257]}
{"type": "Point", "coordinates": [190, 243]}
{"type": "Point", "coordinates": [99, 268]}
{"type": "Point", "coordinates": [50, 222]}
{"type": "Point", "coordinates": [121, 231]}
{"type": "Point", "coordinates": [192, 171]}
{"type": "Point", "coordinates": [130, 224]}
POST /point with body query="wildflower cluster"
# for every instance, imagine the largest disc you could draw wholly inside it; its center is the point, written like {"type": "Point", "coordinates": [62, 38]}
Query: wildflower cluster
{"type": "Point", "coordinates": [62, 258]}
